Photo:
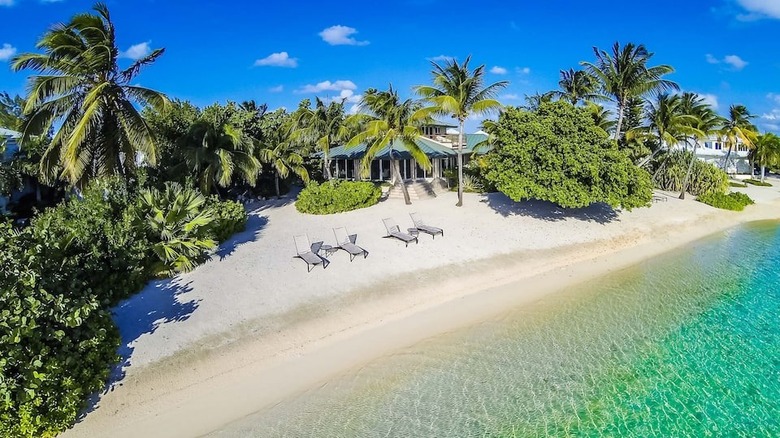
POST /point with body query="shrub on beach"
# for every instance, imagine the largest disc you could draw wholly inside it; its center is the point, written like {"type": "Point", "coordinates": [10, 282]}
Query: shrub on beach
{"type": "Point", "coordinates": [558, 154]}
{"type": "Point", "coordinates": [734, 201]}
{"type": "Point", "coordinates": [705, 177]}
{"type": "Point", "coordinates": [337, 197]}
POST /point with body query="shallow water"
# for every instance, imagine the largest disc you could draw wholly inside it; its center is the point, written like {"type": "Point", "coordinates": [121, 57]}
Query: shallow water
{"type": "Point", "coordinates": [686, 344]}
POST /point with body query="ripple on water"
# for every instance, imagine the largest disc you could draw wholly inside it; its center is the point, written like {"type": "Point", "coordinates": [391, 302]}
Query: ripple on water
{"type": "Point", "coordinates": [687, 344]}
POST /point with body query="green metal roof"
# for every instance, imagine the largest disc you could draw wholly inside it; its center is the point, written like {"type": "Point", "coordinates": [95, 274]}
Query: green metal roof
{"type": "Point", "coordinates": [431, 148]}
{"type": "Point", "coordinates": [473, 140]}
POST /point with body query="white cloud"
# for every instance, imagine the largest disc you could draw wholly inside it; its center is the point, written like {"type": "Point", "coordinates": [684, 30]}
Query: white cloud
{"type": "Point", "coordinates": [276, 89]}
{"type": "Point", "coordinates": [710, 99]}
{"type": "Point", "coordinates": [498, 70]}
{"type": "Point", "coordinates": [523, 70]}
{"type": "Point", "coordinates": [774, 97]}
{"type": "Point", "coordinates": [348, 96]}
{"type": "Point", "coordinates": [734, 61]}
{"type": "Point", "coordinates": [6, 2]}
{"type": "Point", "coordinates": [341, 36]}
{"type": "Point", "coordinates": [281, 59]}
{"type": "Point", "coordinates": [7, 51]}
{"type": "Point", "coordinates": [137, 51]}
{"type": "Point", "coordinates": [339, 85]}
{"type": "Point", "coordinates": [510, 96]}
{"type": "Point", "coordinates": [441, 58]}
{"type": "Point", "coordinates": [760, 8]}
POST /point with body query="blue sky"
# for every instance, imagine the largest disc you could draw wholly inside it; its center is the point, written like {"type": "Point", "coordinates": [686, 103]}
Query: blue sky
{"type": "Point", "coordinates": [281, 52]}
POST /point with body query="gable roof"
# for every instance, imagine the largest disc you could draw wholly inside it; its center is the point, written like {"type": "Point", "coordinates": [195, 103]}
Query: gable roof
{"type": "Point", "coordinates": [431, 148]}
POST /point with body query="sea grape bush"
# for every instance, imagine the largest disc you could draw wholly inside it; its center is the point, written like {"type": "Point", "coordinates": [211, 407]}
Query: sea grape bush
{"type": "Point", "coordinates": [558, 154]}
{"type": "Point", "coordinates": [337, 197]}
{"type": "Point", "coordinates": [734, 201]}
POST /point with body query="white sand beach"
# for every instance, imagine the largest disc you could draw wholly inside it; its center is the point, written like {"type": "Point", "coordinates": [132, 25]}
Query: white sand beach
{"type": "Point", "coordinates": [252, 327]}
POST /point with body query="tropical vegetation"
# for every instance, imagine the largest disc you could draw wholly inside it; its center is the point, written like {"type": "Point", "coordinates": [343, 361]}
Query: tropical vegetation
{"type": "Point", "coordinates": [734, 201]}
{"type": "Point", "coordinates": [337, 197]}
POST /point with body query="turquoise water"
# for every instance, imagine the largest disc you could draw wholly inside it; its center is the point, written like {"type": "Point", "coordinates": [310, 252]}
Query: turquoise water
{"type": "Point", "coordinates": [687, 344]}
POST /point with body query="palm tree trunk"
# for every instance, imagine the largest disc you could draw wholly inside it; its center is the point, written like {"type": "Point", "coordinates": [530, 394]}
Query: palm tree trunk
{"type": "Point", "coordinates": [399, 180]}
{"type": "Point", "coordinates": [763, 172]}
{"type": "Point", "coordinates": [621, 110]}
{"type": "Point", "coordinates": [460, 163]}
{"type": "Point", "coordinates": [690, 169]}
{"type": "Point", "coordinates": [726, 160]}
{"type": "Point", "coordinates": [276, 182]}
{"type": "Point", "coordinates": [326, 163]}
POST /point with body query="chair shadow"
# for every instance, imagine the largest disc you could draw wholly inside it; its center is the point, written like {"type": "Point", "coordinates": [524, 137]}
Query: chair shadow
{"type": "Point", "coordinates": [600, 213]}
{"type": "Point", "coordinates": [157, 304]}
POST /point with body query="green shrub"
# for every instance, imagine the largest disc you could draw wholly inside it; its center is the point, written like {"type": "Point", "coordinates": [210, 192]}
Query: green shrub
{"type": "Point", "coordinates": [735, 201]}
{"type": "Point", "coordinates": [337, 197]}
{"type": "Point", "coordinates": [705, 177]}
{"type": "Point", "coordinates": [756, 182]}
{"type": "Point", "coordinates": [558, 154]}
{"type": "Point", "coordinates": [736, 184]}
{"type": "Point", "coordinates": [229, 218]}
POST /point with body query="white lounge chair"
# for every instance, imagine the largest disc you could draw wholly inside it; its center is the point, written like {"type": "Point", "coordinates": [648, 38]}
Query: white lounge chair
{"type": "Point", "coordinates": [427, 229]}
{"type": "Point", "coordinates": [346, 242]}
{"type": "Point", "coordinates": [393, 230]}
{"type": "Point", "coordinates": [309, 253]}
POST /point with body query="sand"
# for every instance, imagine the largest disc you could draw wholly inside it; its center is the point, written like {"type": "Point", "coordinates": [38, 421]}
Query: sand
{"type": "Point", "coordinates": [251, 327]}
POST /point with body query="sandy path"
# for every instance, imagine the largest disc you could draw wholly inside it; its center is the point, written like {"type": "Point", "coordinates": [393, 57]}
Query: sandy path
{"type": "Point", "coordinates": [243, 332]}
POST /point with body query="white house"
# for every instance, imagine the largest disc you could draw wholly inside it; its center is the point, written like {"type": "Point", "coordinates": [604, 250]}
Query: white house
{"type": "Point", "coordinates": [714, 150]}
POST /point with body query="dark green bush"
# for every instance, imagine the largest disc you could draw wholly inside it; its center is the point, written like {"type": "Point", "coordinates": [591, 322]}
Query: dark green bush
{"type": "Point", "coordinates": [735, 201]}
{"type": "Point", "coordinates": [756, 182]}
{"type": "Point", "coordinates": [705, 177]}
{"type": "Point", "coordinates": [229, 218]}
{"type": "Point", "coordinates": [337, 196]}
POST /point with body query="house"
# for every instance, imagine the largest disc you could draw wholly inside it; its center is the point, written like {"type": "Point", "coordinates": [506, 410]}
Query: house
{"type": "Point", "coordinates": [714, 150]}
{"type": "Point", "coordinates": [9, 145]}
{"type": "Point", "coordinates": [438, 146]}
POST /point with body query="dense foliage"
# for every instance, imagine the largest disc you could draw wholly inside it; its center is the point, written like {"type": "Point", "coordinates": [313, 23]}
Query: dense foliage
{"type": "Point", "coordinates": [735, 201]}
{"type": "Point", "coordinates": [60, 276]}
{"type": "Point", "coordinates": [704, 178]}
{"type": "Point", "coordinates": [558, 154]}
{"type": "Point", "coordinates": [337, 197]}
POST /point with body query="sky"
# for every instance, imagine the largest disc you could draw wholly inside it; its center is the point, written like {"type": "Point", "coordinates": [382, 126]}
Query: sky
{"type": "Point", "coordinates": [281, 52]}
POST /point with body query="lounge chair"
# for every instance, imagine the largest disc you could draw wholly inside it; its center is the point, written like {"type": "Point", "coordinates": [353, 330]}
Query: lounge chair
{"type": "Point", "coordinates": [309, 253]}
{"type": "Point", "coordinates": [393, 230]}
{"type": "Point", "coordinates": [427, 229]}
{"type": "Point", "coordinates": [346, 242]}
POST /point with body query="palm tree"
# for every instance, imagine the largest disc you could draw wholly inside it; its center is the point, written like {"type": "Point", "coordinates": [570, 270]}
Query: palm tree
{"type": "Point", "coordinates": [766, 152]}
{"type": "Point", "coordinates": [459, 93]}
{"type": "Point", "coordinates": [82, 91]}
{"type": "Point", "coordinates": [324, 126]}
{"type": "Point", "coordinates": [706, 123]}
{"type": "Point", "coordinates": [536, 100]}
{"type": "Point", "coordinates": [386, 120]}
{"type": "Point", "coordinates": [667, 124]}
{"type": "Point", "coordinates": [738, 128]}
{"type": "Point", "coordinates": [178, 225]}
{"type": "Point", "coordinates": [280, 151]}
{"type": "Point", "coordinates": [215, 151]}
{"type": "Point", "coordinates": [624, 74]}
{"type": "Point", "coordinates": [601, 116]}
{"type": "Point", "coordinates": [576, 86]}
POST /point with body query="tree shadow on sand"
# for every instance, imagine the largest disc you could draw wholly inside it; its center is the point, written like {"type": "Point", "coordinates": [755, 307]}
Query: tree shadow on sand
{"type": "Point", "coordinates": [255, 224]}
{"type": "Point", "coordinates": [599, 213]}
{"type": "Point", "coordinates": [157, 304]}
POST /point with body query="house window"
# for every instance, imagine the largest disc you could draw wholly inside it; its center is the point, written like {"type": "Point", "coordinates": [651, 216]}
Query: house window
{"type": "Point", "coordinates": [707, 145]}
{"type": "Point", "coordinates": [718, 146]}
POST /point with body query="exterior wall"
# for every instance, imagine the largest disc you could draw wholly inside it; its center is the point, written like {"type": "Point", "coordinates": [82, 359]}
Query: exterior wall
{"type": "Point", "coordinates": [381, 170]}
{"type": "Point", "coordinates": [714, 151]}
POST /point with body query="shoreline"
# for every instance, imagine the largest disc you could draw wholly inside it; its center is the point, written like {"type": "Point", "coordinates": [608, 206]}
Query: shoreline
{"type": "Point", "coordinates": [203, 389]}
